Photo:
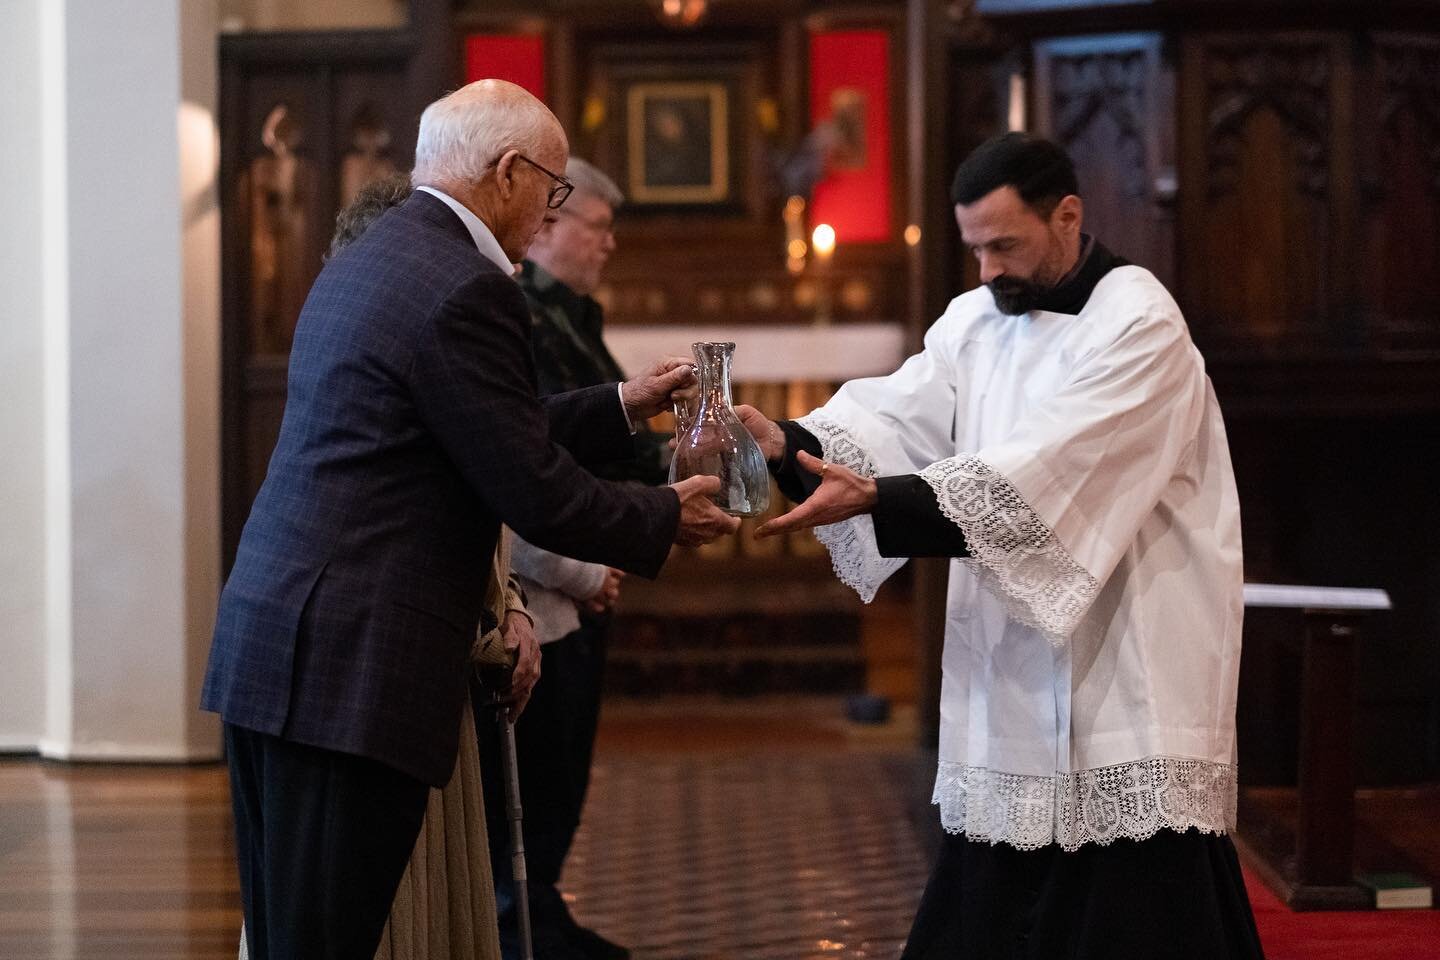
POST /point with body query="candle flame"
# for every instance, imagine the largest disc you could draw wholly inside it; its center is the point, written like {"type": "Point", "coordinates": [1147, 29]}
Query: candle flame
{"type": "Point", "coordinates": [823, 239]}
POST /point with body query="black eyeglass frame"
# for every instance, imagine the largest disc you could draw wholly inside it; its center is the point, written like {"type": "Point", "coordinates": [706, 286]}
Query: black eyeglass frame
{"type": "Point", "coordinates": [558, 193]}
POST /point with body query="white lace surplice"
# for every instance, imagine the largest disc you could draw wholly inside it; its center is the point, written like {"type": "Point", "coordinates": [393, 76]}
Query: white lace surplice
{"type": "Point", "coordinates": [1092, 642]}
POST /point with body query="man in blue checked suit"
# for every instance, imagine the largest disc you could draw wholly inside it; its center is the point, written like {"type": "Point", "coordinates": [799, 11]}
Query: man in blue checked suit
{"type": "Point", "coordinates": [411, 432]}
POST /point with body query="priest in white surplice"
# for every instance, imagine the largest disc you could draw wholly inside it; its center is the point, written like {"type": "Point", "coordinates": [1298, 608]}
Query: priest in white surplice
{"type": "Point", "coordinates": [1059, 438]}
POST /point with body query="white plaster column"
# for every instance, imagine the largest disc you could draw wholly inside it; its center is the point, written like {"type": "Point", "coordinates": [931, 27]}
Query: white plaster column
{"type": "Point", "coordinates": [111, 336]}
{"type": "Point", "coordinates": [22, 414]}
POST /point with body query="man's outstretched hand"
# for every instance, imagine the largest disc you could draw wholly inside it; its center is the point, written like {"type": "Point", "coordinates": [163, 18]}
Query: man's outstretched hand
{"type": "Point", "coordinates": [651, 392]}
{"type": "Point", "coordinates": [842, 494]}
{"type": "Point", "coordinates": [700, 520]}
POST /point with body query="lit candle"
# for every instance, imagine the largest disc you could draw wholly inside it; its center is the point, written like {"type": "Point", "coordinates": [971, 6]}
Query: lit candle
{"type": "Point", "coordinates": [822, 240]}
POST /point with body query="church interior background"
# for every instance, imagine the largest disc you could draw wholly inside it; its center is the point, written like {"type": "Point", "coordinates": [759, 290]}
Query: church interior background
{"type": "Point", "coordinates": [1276, 164]}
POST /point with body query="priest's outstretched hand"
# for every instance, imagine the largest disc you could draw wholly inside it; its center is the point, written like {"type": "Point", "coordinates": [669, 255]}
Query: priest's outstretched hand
{"type": "Point", "coordinates": [842, 494]}
{"type": "Point", "coordinates": [766, 432]}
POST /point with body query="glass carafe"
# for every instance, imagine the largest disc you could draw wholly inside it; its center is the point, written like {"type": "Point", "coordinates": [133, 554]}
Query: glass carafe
{"type": "Point", "coordinates": [711, 440]}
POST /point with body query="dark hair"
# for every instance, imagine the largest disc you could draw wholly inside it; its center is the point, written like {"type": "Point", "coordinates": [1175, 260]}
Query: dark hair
{"type": "Point", "coordinates": [1039, 170]}
{"type": "Point", "coordinates": [373, 199]}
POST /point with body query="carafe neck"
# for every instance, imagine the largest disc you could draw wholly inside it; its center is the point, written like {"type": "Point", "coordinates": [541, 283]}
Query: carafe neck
{"type": "Point", "coordinates": [713, 362]}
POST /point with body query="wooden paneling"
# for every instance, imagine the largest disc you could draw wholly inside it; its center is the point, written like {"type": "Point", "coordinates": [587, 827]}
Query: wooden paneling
{"type": "Point", "coordinates": [1263, 164]}
{"type": "Point", "coordinates": [979, 92]}
{"type": "Point", "coordinates": [1400, 193]}
{"type": "Point", "coordinates": [1109, 101]}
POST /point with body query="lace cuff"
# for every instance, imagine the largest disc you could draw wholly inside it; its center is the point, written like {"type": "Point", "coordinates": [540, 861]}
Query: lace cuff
{"type": "Point", "coordinates": [1014, 554]}
{"type": "Point", "coordinates": [1131, 800]}
{"type": "Point", "coordinates": [851, 543]}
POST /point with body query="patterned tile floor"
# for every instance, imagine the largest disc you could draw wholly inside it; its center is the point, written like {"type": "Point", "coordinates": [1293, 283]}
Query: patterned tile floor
{"type": "Point", "coordinates": [769, 854]}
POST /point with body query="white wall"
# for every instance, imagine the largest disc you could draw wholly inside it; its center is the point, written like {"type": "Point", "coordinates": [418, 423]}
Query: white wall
{"type": "Point", "coordinates": [126, 444]}
{"type": "Point", "coordinates": [126, 380]}
{"type": "Point", "coordinates": [22, 476]}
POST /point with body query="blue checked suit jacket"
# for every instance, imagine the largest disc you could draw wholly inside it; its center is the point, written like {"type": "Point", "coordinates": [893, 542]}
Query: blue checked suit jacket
{"type": "Point", "coordinates": [411, 432]}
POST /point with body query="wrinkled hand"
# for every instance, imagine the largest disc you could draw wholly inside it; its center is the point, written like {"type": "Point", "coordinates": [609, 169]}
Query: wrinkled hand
{"type": "Point", "coordinates": [765, 431]}
{"type": "Point", "coordinates": [652, 391]}
{"type": "Point", "coordinates": [520, 639]}
{"type": "Point", "coordinates": [700, 520]}
{"type": "Point", "coordinates": [842, 494]}
{"type": "Point", "coordinates": [609, 592]}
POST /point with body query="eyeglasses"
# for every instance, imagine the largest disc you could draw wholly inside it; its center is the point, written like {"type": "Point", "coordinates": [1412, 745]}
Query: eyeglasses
{"type": "Point", "coordinates": [558, 193]}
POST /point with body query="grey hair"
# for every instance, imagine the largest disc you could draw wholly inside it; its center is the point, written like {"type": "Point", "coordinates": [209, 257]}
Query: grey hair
{"type": "Point", "coordinates": [590, 179]}
{"type": "Point", "coordinates": [463, 133]}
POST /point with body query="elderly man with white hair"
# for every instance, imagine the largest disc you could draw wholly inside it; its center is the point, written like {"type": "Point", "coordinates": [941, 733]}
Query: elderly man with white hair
{"type": "Point", "coordinates": [412, 431]}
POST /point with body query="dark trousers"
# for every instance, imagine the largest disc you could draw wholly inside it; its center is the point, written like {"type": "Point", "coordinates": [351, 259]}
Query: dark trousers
{"type": "Point", "coordinates": [554, 741]}
{"type": "Point", "coordinates": [322, 839]}
{"type": "Point", "coordinates": [1173, 896]}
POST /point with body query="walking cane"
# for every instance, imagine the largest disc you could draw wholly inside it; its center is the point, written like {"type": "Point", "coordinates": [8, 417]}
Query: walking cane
{"type": "Point", "coordinates": [495, 678]}
{"type": "Point", "coordinates": [517, 832]}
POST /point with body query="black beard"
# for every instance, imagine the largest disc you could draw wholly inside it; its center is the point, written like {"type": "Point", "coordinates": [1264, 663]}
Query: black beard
{"type": "Point", "coordinates": [1014, 297]}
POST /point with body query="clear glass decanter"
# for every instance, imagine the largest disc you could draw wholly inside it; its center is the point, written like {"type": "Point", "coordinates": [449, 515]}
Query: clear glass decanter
{"type": "Point", "coordinates": [713, 442]}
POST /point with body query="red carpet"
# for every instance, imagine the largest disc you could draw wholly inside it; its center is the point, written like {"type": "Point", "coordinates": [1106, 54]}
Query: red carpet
{"type": "Point", "coordinates": [1368, 935]}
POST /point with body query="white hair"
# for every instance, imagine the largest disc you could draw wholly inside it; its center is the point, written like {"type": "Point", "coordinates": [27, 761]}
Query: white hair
{"type": "Point", "coordinates": [590, 179]}
{"type": "Point", "coordinates": [463, 133]}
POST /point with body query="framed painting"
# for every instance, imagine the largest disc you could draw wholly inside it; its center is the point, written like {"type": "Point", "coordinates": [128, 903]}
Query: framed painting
{"type": "Point", "coordinates": [678, 142]}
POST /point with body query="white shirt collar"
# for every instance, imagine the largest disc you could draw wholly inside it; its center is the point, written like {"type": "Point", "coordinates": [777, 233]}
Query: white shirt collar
{"type": "Point", "coordinates": [485, 241]}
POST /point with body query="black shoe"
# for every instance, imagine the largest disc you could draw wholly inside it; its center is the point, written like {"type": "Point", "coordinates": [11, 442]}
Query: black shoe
{"type": "Point", "coordinates": [594, 946]}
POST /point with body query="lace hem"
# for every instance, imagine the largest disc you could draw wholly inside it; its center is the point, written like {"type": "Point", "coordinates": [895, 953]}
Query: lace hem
{"type": "Point", "coordinates": [1132, 800]}
{"type": "Point", "coordinates": [1015, 554]}
{"type": "Point", "coordinates": [851, 543]}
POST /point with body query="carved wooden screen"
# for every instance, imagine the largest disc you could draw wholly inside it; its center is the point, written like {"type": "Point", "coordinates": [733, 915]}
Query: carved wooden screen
{"type": "Point", "coordinates": [1107, 100]}
{"type": "Point", "coordinates": [1400, 193]}
{"type": "Point", "coordinates": [1264, 180]}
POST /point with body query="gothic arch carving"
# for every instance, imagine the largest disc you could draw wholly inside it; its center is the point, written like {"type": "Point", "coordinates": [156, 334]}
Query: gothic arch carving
{"type": "Point", "coordinates": [1294, 82]}
{"type": "Point", "coordinates": [1113, 83]}
{"type": "Point", "coordinates": [1409, 75]}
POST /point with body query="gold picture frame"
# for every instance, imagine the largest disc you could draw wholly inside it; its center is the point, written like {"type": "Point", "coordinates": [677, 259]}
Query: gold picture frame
{"type": "Point", "coordinates": [678, 142]}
